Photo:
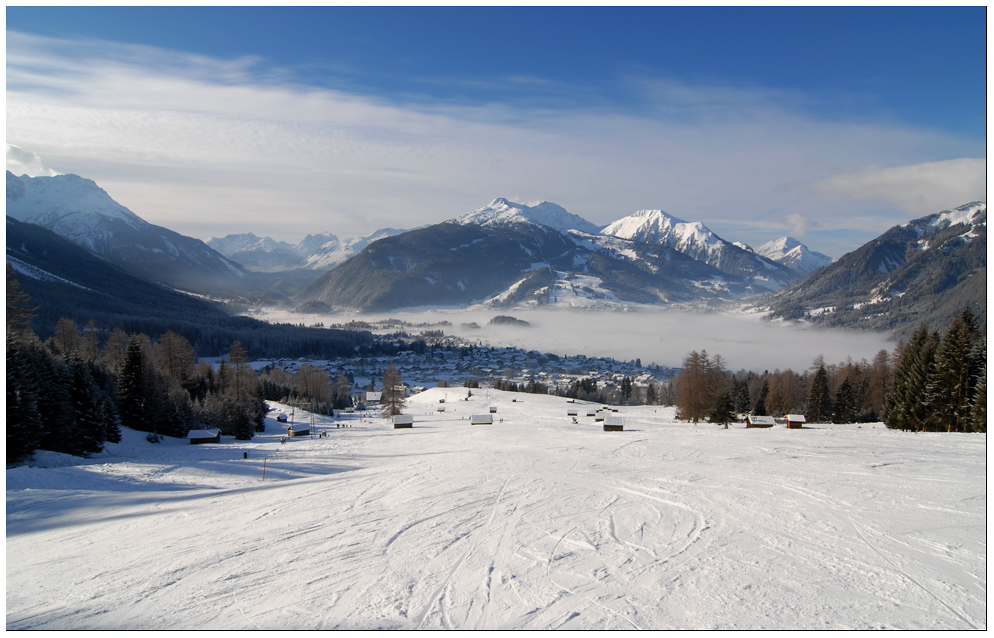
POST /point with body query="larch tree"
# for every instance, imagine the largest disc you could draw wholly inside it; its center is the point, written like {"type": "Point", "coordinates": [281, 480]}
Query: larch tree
{"type": "Point", "coordinates": [392, 396]}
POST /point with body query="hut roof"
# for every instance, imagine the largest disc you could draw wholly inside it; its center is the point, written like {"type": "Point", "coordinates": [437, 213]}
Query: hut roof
{"type": "Point", "coordinates": [202, 434]}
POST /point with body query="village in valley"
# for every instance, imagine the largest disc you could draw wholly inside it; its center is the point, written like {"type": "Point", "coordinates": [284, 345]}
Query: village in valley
{"type": "Point", "coordinates": [439, 360]}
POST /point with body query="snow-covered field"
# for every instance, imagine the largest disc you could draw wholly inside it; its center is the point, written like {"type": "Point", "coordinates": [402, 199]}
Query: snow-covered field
{"type": "Point", "coordinates": [532, 522]}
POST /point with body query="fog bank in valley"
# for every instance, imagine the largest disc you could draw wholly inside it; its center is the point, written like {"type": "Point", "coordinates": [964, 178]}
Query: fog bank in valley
{"type": "Point", "coordinates": [660, 336]}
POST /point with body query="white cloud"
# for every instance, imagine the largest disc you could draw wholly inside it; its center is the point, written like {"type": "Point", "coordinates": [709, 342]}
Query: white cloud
{"type": "Point", "coordinates": [919, 189]}
{"type": "Point", "coordinates": [800, 225]}
{"type": "Point", "coordinates": [201, 145]}
{"type": "Point", "coordinates": [22, 162]}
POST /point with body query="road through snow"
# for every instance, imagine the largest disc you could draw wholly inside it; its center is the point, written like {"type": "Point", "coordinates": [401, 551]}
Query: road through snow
{"type": "Point", "coordinates": [533, 522]}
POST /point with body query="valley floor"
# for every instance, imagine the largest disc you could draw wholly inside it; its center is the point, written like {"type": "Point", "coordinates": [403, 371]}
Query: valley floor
{"type": "Point", "coordinates": [533, 522]}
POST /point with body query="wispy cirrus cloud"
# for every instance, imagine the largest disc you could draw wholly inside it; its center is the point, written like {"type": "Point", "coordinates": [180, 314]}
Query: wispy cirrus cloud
{"type": "Point", "coordinates": [209, 146]}
{"type": "Point", "coordinates": [919, 188]}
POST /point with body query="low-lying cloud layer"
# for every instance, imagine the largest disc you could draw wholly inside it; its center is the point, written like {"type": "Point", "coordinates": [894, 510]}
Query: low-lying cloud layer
{"type": "Point", "coordinates": [210, 147]}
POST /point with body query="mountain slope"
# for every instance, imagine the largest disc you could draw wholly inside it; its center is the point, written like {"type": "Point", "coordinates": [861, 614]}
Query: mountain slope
{"type": "Point", "coordinates": [925, 270]}
{"type": "Point", "coordinates": [81, 212]}
{"type": "Point", "coordinates": [794, 255]}
{"type": "Point", "coordinates": [65, 280]}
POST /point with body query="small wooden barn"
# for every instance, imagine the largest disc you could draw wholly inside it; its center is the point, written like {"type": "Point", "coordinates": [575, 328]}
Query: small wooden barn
{"type": "Point", "coordinates": [204, 436]}
{"type": "Point", "coordinates": [571, 412]}
{"type": "Point", "coordinates": [760, 421]}
{"type": "Point", "coordinates": [298, 429]}
{"type": "Point", "coordinates": [493, 409]}
{"type": "Point", "coordinates": [795, 421]}
{"type": "Point", "coordinates": [282, 418]}
{"type": "Point", "coordinates": [614, 423]}
{"type": "Point", "coordinates": [481, 419]}
{"type": "Point", "coordinates": [403, 421]}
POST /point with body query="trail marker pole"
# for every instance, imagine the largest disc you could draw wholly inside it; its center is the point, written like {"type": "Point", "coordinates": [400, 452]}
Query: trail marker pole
{"type": "Point", "coordinates": [264, 467]}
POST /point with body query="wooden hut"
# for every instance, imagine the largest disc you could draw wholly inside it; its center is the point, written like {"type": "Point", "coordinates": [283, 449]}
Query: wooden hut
{"type": "Point", "coordinates": [614, 423]}
{"type": "Point", "coordinates": [571, 412]}
{"type": "Point", "coordinates": [481, 419]}
{"type": "Point", "coordinates": [403, 421]}
{"type": "Point", "coordinates": [795, 421]}
{"type": "Point", "coordinates": [493, 409]}
{"type": "Point", "coordinates": [204, 436]}
{"type": "Point", "coordinates": [299, 429]}
{"type": "Point", "coordinates": [760, 421]}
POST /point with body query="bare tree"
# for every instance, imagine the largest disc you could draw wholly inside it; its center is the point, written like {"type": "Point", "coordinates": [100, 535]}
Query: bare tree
{"type": "Point", "coordinates": [392, 397]}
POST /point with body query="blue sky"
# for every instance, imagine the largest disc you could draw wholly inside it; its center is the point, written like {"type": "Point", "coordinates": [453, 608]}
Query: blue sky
{"type": "Point", "coordinates": [830, 124]}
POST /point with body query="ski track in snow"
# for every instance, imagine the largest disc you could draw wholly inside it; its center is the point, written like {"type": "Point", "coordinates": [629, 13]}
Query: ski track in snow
{"type": "Point", "coordinates": [530, 523]}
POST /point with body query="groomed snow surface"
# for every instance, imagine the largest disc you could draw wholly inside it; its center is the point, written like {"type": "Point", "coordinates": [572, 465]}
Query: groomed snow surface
{"type": "Point", "coordinates": [533, 522]}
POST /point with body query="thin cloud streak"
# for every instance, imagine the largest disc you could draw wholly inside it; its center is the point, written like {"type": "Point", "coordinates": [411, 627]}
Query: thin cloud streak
{"type": "Point", "coordinates": [193, 143]}
{"type": "Point", "coordinates": [920, 188]}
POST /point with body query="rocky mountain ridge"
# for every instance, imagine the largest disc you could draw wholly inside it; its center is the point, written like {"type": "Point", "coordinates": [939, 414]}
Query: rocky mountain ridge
{"type": "Point", "coordinates": [924, 271]}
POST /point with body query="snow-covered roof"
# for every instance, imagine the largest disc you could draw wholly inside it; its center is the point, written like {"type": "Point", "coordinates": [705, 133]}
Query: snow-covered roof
{"type": "Point", "coordinates": [761, 420]}
{"type": "Point", "coordinates": [202, 434]}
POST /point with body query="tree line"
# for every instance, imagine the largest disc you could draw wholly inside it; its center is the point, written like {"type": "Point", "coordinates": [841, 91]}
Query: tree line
{"type": "Point", "coordinates": [932, 382]}
{"type": "Point", "coordinates": [72, 393]}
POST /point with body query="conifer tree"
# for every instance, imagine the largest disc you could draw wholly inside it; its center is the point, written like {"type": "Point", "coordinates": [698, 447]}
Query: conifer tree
{"type": "Point", "coordinates": [760, 408]}
{"type": "Point", "coordinates": [819, 398]}
{"type": "Point", "coordinates": [24, 423]}
{"type": "Point", "coordinates": [905, 407]}
{"type": "Point", "coordinates": [87, 433]}
{"type": "Point", "coordinates": [723, 410]}
{"type": "Point", "coordinates": [979, 417]}
{"type": "Point", "coordinates": [132, 388]}
{"type": "Point", "coordinates": [844, 410]}
{"type": "Point", "coordinates": [743, 402]}
{"type": "Point", "coordinates": [650, 394]}
{"type": "Point", "coordinates": [949, 395]}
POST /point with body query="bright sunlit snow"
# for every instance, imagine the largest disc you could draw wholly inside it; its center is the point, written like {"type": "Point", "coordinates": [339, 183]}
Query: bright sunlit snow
{"type": "Point", "coordinates": [533, 522]}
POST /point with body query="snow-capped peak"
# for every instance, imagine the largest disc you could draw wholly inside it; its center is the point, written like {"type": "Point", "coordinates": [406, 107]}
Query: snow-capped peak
{"type": "Point", "coordinates": [47, 200]}
{"type": "Point", "coordinates": [503, 212]}
{"type": "Point", "coordinates": [793, 254]}
{"type": "Point", "coordinates": [661, 228]}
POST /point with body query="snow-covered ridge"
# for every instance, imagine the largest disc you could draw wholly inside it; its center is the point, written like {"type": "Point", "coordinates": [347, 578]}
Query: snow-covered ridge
{"type": "Point", "coordinates": [659, 227]}
{"type": "Point", "coordinates": [69, 199]}
{"type": "Point", "coordinates": [503, 212]}
{"type": "Point", "coordinates": [974, 213]}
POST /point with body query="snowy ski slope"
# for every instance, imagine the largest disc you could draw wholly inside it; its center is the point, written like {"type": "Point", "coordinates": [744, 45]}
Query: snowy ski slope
{"type": "Point", "coordinates": [533, 522]}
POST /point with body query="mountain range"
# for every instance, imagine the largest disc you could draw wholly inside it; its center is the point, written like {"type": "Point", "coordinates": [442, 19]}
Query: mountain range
{"type": "Point", "coordinates": [314, 252]}
{"type": "Point", "coordinates": [507, 254]}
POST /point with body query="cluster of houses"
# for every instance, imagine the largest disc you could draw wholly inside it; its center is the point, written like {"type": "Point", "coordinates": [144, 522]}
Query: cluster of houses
{"type": "Point", "coordinates": [459, 363]}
